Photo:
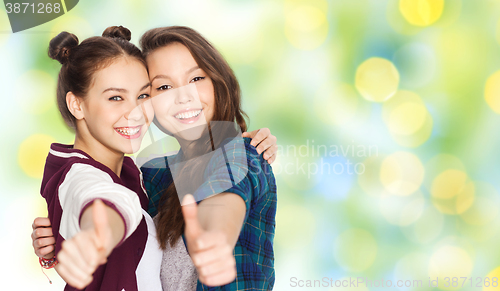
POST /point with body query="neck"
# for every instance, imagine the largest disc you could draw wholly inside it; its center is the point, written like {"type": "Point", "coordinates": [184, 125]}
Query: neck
{"type": "Point", "coordinates": [195, 148]}
{"type": "Point", "coordinates": [100, 153]}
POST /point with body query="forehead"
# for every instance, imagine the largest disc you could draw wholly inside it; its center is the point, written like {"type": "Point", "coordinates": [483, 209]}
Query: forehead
{"type": "Point", "coordinates": [124, 72]}
{"type": "Point", "coordinates": [170, 56]}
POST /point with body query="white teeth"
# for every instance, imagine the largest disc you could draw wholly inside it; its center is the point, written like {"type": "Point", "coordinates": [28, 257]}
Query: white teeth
{"type": "Point", "coordinates": [189, 114]}
{"type": "Point", "coordinates": [128, 131]}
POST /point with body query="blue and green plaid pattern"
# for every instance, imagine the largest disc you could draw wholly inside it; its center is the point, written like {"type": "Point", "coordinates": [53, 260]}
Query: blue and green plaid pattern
{"type": "Point", "coordinates": [254, 249]}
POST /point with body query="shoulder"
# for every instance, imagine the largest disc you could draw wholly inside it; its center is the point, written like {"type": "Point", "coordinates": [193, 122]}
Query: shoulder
{"type": "Point", "coordinates": [238, 152]}
{"type": "Point", "coordinates": [154, 167]}
{"type": "Point", "coordinates": [156, 163]}
{"type": "Point", "coordinates": [256, 161]}
{"type": "Point", "coordinates": [260, 173]}
{"type": "Point", "coordinates": [129, 164]}
{"type": "Point", "coordinates": [156, 175]}
{"type": "Point", "coordinates": [248, 165]}
{"type": "Point", "coordinates": [65, 159]}
{"type": "Point", "coordinates": [83, 172]}
{"type": "Point", "coordinates": [250, 149]}
{"type": "Point", "coordinates": [239, 147]}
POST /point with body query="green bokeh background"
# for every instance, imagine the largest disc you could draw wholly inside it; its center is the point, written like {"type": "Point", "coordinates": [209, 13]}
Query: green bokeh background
{"type": "Point", "coordinates": [296, 62]}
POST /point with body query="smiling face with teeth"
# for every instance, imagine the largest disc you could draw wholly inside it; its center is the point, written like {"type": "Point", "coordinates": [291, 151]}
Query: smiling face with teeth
{"type": "Point", "coordinates": [183, 94]}
{"type": "Point", "coordinates": [117, 110]}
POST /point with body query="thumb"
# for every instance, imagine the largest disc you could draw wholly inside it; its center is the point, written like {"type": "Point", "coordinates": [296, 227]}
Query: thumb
{"type": "Point", "coordinates": [246, 134]}
{"type": "Point", "coordinates": [101, 225]}
{"type": "Point", "coordinates": [190, 213]}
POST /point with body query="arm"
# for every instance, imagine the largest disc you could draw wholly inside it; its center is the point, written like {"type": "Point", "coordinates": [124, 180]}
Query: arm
{"type": "Point", "coordinates": [217, 220]}
{"type": "Point", "coordinates": [44, 244]}
{"type": "Point", "coordinates": [88, 227]}
{"type": "Point", "coordinates": [89, 185]}
{"type": "Point", "coordinates": [104, 218]}
{"type": "Point", "coordinates": [264, 142]}
{"type": "Point", "coordinates": [223, 213]}
{"type": "Point", "coordinates": [102, 228]}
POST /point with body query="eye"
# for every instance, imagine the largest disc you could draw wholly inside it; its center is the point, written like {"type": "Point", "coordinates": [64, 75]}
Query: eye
{"type": "Point", "coordinates": [195, 79]}
{"type": "Point", "coordinates": [115, 98]}
{"type": "Point", "coordinates": [164, 87]}
{"type": "Point", "coordinates": [143, 96]}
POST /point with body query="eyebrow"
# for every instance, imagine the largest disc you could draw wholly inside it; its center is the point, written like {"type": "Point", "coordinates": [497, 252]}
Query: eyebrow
{"type": "Point", "coordinates": [192, 69]}
{"type": "Point", "coordinates": [122, 90]}
{"type": "Point", "coordinates": [145, 86]}
{"type": "Point", "coordinates": [167, 77]}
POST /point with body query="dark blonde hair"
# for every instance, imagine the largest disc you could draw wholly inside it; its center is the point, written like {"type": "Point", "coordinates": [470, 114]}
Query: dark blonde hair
{"type": "Point", "coordinates": [81, 61]}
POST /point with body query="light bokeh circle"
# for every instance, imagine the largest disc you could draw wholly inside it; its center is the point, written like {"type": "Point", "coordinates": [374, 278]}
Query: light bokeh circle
{"type": "Point", "coordinates": [495, 273]}
{"type": "Point", "coordinates": [402, 210]}
{"type": "Point", "coordinates": [377, 79]}
{"type": "Point", "coordinates": [450, 261]}
{"type": "Point", "coordinates": [306, 27]}
{"type": "Point", "coordinates": [484, 208]}
{"type": "Point", "coordinates": [448, 184]}
{"type": "Point", "coordinates": [32, 154]}
{"type": "Point", "coordinates": [402, 173]}
{"type": "Point", "coordinates": [492, 92]}
{"type": "Point", "coordinates": [407, 119]}
{"type": "Point", "coordinates": [421, 12]}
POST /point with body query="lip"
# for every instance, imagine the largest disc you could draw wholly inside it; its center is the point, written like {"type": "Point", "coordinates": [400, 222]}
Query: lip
{"type": "Point", "coordinates": [130, 129]}
{"type": "Point", "coordinates": [188, 120]}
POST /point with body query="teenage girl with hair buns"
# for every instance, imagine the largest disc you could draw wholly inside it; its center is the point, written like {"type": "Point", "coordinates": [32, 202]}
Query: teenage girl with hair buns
{"type": "Point", "coordinates": [94, 194]}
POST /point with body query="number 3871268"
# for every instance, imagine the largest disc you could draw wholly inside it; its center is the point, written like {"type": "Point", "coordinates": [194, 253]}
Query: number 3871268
{"type": "Point", "coordinates": [469, 281]}
{"type": "Point", "coordinates": [33, 8]}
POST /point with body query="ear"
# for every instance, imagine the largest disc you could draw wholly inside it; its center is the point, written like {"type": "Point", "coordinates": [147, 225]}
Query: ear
{"type": "Point", "coordinates": [74, 105]}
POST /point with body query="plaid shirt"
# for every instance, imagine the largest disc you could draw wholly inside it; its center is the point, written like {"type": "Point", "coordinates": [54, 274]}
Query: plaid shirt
{"type": "Point", "coordinates": [254, 249]}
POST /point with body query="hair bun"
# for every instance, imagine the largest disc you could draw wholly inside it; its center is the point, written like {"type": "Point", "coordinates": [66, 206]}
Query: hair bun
{"type": "Point", "coordinates": [60, 46]}
{"type": "Point", "coordinates": [117, 32]}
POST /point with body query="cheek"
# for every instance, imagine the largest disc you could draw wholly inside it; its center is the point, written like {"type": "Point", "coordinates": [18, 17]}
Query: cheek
{"type": "Point", "coordinates": [206, 93]}
{"type": "Point", "coordinates": [148, 111]}
{"type": "Point", "coordinates": [161, 107]}
{"type": "Point", "coordinates": [110, 114]}
{"type": "Point", "coordinates": [95, 114]}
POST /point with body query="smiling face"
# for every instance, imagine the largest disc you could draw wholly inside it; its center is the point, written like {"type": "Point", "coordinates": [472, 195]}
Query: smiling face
{"type": "Point", "coordinates": [117, 110]}
{"type": "Point", "coordinates": [183, 94]}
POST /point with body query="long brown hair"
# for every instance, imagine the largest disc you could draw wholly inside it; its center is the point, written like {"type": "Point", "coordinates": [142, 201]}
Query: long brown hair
{"type": "Point", "coordinates": [227, 95]}
{"type": "Point", "coordinates": [81, 61]}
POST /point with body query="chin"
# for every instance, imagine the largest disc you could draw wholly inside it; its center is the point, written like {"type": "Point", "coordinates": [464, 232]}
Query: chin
{"type": "Point", "coordinates": [131, 148]}
{"type": "Point", "coordinates": [191, 132]}
{"type": "Point", "coordinates": [135, 148]}
{"type": "Point", "coordinates": [190, 135]}
{"type": "Point", "coordinates": [128, 151]}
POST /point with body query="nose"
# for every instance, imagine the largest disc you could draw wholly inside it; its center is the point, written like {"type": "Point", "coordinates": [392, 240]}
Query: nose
{"type": "Point", "coordinates": [135, 113]}
{"type": "Point", "coordinates": [183, 95]}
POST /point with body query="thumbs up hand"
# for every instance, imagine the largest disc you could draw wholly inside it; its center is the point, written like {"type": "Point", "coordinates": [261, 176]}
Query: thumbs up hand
{"type": "Point", "coordinates": [81, 255]}
{"type": "Point", "coordinates": [210, 251]}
